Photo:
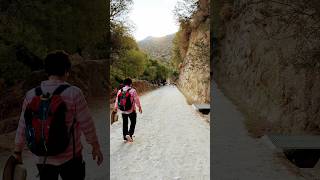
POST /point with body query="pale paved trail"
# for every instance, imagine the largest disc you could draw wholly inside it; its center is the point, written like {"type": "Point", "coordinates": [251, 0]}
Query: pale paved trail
{"type": "Point", "coordinates": [172, 141]}
{"type": "Point", "coordinates": [237, 156]}
{"type": "Point", "coordinates": [98, 110]}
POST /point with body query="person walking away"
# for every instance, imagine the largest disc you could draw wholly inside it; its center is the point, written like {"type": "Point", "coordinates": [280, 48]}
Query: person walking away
{"type": "Point", "coordinates": [53, 117]}
{"type": "Point", "coordinates": [126, 101]}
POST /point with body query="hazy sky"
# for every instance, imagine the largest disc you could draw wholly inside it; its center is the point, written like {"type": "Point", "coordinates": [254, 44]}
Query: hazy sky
{"type": "Point", "coordinates": [153, 18]}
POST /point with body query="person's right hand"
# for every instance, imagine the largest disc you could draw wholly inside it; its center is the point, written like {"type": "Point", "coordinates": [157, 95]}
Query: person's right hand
{"type": "Point", "coordinates": [140, 110]}
{"type": "Point", "coordinates": [18, 157]}
{"type": "Point", "coordinates": [96, 153]}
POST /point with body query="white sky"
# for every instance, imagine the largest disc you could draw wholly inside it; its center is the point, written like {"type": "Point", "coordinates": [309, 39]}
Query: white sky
{"type": "Point", "coordinates": [153, 18]}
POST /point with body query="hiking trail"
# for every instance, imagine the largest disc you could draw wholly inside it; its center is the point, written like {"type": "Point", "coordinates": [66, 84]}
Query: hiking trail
{"type": "Point", "coordinates": [172, 141]}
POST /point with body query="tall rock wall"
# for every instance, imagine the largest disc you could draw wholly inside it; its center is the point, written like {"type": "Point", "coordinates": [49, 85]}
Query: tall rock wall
{"type": "Point", "coordinates": [194, 78]}
{"type": "Point", "coordinates": [267, 61]}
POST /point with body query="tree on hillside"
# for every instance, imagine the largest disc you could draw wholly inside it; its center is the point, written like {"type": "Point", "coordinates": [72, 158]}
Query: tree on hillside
{"type": "Point", "coordinates": [121, 41]}
{"type": "Point", "coordinates": [155, 71]}
{"type": "Point", "coordinates": [132, 63]}
{"type": "Point", "coordinates": [121, 38]}
{"type": "Point", "coordinates": [119, 9]}
{"type": "Point", "coordinates": [184, 9]}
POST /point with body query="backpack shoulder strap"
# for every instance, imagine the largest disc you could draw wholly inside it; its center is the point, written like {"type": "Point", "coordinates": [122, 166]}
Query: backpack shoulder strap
{"type": "Point", "coordinates": [128, 89]}
{"type": "Point", "coordinates": [60, 89]}
{"type": "Point", "coordinates": [38, 91]}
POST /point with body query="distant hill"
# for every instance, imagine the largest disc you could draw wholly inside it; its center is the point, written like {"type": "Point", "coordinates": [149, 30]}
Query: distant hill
{"type": "Point", "coordinates": [157, 47]}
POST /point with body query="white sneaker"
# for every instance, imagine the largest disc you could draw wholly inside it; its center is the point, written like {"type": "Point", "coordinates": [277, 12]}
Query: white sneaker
{"type": "Point", "coordinates": [129, 138]}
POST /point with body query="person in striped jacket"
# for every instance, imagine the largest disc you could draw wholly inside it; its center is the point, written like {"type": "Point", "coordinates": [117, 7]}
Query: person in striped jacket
{"type": "Point", "coordinates": [69, 164]}
{"type": "Point", "coordinates": [128, 113]}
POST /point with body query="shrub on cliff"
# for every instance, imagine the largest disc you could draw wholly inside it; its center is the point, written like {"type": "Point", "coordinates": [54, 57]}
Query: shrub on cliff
{"type": "Point", "coordinates": [191, 15]}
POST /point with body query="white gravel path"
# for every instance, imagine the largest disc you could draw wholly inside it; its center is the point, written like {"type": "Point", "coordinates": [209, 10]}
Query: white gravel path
{"type": "Point", "coordinates": [172, 141]}
{"type": "Point", "coordinates": [236, 155]}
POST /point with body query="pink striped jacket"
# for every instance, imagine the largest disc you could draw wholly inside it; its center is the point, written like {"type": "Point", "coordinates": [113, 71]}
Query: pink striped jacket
{"type": "Point", "coordinates": [77, 106]}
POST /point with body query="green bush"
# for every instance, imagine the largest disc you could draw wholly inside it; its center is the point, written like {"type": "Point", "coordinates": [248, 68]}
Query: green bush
{"type": "Point", "coordinates": [130, 64]}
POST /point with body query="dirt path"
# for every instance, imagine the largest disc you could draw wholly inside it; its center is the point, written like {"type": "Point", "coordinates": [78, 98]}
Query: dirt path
{"type": "Point", "coordinates": [171, 141]}
{"type": "Point", "coordinates": [93, 172]}
{"type": "Point", "coordinates": [237, 155]}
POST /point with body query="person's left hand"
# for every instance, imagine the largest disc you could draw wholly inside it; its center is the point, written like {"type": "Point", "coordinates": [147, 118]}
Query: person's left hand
{"type": "Point", "coordinates": [140, 110]}
{"type": "Point", "coordinates": [17, 153]}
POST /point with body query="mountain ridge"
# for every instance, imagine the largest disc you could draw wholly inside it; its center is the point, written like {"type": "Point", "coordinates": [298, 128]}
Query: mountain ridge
{"type": "Point", "coordinates": [157, 47]}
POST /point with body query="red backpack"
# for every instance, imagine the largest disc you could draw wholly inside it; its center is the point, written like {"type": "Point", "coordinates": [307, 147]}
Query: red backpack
{"type": "Point", "coordinates": [45, 117]}
{"type": "Point", "coordinates": [124, 100]}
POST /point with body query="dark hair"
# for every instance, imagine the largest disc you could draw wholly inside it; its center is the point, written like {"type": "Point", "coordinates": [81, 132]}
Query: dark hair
{"type": "Point", "coordinates": [127, 81]}
{"type": "Point", "coordinates": [57, 63]}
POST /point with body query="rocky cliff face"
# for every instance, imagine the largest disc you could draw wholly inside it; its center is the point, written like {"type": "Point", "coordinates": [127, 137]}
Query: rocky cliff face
{"type": "Point", "coordinates": [194, 78]}
{"type": "Point", "coordinates": [267, 61]}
